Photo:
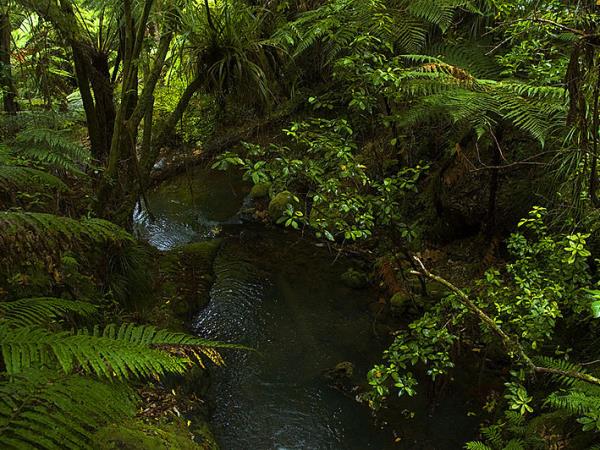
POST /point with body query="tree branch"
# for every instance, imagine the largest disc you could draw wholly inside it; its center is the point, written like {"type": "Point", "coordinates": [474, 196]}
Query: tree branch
{"type": "Point", "coordinates": [512, 345]}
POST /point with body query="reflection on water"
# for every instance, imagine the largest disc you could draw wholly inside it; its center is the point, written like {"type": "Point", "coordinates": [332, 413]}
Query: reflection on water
{"type": "Point", "coordinates": [281, 295]}
{"type": "Point", "coordinates": [189, 207]}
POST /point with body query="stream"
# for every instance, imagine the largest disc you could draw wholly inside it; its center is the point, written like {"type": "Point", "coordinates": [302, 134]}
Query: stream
{"type": "Point", "coordinates": [281, 294]}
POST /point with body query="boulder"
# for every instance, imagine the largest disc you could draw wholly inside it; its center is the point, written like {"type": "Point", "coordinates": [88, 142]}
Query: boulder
{"type": "Point", "coordinates": [260, 190]}
{"type": "Point", "coordinates": [400, 301]}
{"type": "Point", "coordinates": [344, 369]}
{"type": "Point", "coordinates": [279, 204]}
{"type": "Point", "coordinates": [355, 279]}
{"type": "Point", "coordinates": [340, 376]}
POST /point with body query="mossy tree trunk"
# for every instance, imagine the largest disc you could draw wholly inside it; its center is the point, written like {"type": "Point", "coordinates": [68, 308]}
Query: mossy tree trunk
{"type": "Point", "coordinates": [7, 84]}
{"type": "Point", "coordinates": [113, 131]}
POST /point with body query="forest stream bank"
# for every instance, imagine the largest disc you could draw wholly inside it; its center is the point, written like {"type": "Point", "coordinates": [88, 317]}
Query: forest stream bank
{"type": "Point", "coordinates": [284, 297]}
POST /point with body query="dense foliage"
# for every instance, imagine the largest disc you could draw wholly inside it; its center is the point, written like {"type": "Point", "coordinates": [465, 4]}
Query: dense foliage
{"type": "Point", "coordinates": [394, 129]}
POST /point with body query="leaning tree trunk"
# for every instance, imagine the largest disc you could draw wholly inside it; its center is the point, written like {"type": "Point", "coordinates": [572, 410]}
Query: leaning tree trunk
{"type": "Point", "coordinates": [6, 79]}
{"type": "Point", "coordinates": [169, 125]}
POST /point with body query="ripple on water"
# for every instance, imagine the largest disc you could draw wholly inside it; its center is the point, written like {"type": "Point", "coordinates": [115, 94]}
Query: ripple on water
{"type": "Point", "coordinates": [281, 296]}
{"type": "Point", "coordinates": [275, 398]}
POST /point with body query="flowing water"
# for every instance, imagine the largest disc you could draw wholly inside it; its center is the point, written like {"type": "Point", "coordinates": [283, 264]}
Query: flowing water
{"type": "Point", "coordinates": [281, 295]}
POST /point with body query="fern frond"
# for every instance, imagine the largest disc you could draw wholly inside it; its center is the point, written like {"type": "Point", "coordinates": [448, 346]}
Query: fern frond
{"type": "Point", "coordinates": [575, 401]}
{"type": "Point", "coordinates": [53, 148]}
{"type": "Point", "coordinates": [33, 233]}
{"type": "Point", "coordinates": [441, 91]}
{"type": "Point", "coordinates": [161, 338]}
{"type": "Point", "coordinates": [35, 311]}
{"type": "Point", "coordinates": [469, 55]}
{"type": "Point", "coordinates": [23, 178]}
{"type": "Point", "coordinates": [420, 59]}
{"type": "Point", "coordinates": [514, 444]}
{"type": "Point", "coordinates": [560, 364]}
{"type": "Point", "coordinates": [537, 92]}
{"type": "Point", "coordinates": [493, 434]}
{"type": "Point", "coordinates": [411, 35]}
{"type": "Point", "coordinates": [437, 12]}
{"type": "Point", "coordinates": [476, 445]}
{"type": "Point", "coordinates": [43, 409]}
{"type": "Point", "coordinates": [122, 352]}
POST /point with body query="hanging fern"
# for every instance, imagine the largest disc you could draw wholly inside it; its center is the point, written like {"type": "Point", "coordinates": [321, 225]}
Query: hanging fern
{"type": "Point", "coordinates": [122, 352]}
{"type": "Point", "coordinates": [338, 26]}
{"type": "Point", "coordinates": [36, 311]}
{"type": "Point", "coordinates": [25, 178]}
{"type": "Point", "coordinates": [469, 55]}
{"type": "Point", "coordinates": [45, 409]}
{"type": "Point", "coordinates": [55, 149]}
{"type": "Point", "coordinates": [440, 13]}
{"type": "Point", "coordinates": [440, 91]}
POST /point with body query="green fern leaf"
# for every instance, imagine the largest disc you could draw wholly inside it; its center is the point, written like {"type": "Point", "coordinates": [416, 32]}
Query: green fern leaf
{"type": "Point", "coordinates": [25, 178]}
{"type": "Point", "coordinates": [35, 311]}
{"type": "Point", "coordinates": [122, 352]}
{"type": "Point", "coordinates": [43, 409]}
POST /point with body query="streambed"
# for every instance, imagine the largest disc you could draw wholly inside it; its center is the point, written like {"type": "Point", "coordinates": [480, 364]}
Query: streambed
{"type": "Point", "coordinates": [281, 294]}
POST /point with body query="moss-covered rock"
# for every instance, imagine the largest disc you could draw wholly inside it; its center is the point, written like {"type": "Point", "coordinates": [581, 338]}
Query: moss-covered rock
{"type": "Point", "coordinates": [436, 291]}
{"type": "Point", "coordinates": [400, 301]}
{"type": "Point", "coordinates": [260, 190]}
{"type": "Point", "coordinates": [204, 434]}
{"type": "Point", "coordinates": [136, 435]}
{"type": "Point", "coordinates": [355, 279]}
{"type": "Point", "coordinates": [279, 204]}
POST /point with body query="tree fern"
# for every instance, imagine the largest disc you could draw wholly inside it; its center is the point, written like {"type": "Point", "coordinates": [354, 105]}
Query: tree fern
{"type": "Point", "coordinates": [44, 409]}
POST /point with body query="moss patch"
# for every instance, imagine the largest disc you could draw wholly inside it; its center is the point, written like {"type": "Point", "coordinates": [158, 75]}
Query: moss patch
{"type": "Point", "coordinates": [400, 301]}
{"type": "Point", "coordinates": [184, 282]}
{"type": "Point", "coordinates": [135, 435]}
{"type": "Point", "coordinates": [355, 279]}
{"type": "Point", "coordinates": [279, 204]}
{"type": "Point", "coordinates": [260, 190]}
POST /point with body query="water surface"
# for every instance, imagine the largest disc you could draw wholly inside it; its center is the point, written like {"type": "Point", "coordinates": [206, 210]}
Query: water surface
{"type": "Point", "coordinates": [281, 294]}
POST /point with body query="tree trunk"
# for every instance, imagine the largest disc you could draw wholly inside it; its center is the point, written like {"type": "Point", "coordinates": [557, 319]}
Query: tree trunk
{"type": "Point", "coordinates": [493, 194]}
{"type": "Point", "coordinates": [82, 73]}
{"type": "Point", "coordinates": [167, 128]}
{"type": "Point", "coordinates": [6, 79]}
{"type": "Point", "coordinates": [122, 182]}
{"type": "Point", "coordinates": [104, 101]}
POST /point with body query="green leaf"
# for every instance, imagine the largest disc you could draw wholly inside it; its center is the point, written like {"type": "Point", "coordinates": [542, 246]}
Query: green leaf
{"type": "Point", "coordinates": [595, 307]}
